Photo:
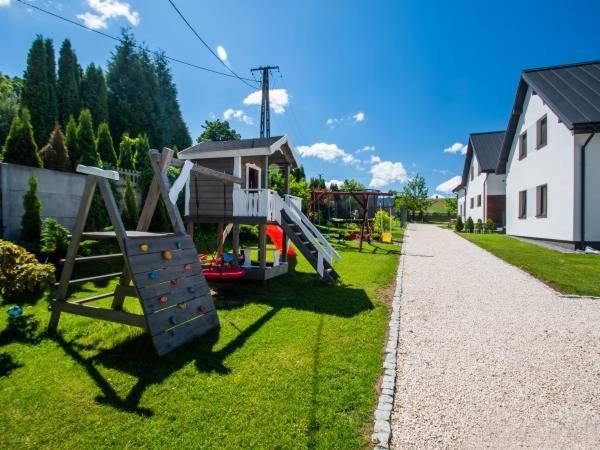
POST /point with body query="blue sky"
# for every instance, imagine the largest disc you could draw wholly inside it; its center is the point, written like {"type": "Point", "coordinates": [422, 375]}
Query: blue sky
{"type": "Point", "coordinates": [402, 80]}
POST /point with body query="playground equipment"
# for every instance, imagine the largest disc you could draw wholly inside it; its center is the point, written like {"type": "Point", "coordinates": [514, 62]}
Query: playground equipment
{"type": "Point", "coordinates": [362, 198]}
{"type": "Point", "coordinates": [276, 234]}
{"type": "Point", "coordinates": [163, 267]}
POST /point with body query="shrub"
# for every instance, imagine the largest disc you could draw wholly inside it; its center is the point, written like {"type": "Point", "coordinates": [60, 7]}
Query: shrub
{"type": "Point", "coordinates": [382, 221]}
{"type": "Point", "coordinates": [20, 145]}
{"type": "Point", "coordinates": [55, 153]}
{"type": "Point", "coordinates": [459, 225]}
{"type": "Point", "coordinates": [489, 225]}
{"type": "Point", "coordinates": [21, 272]}
{"type": "Point", "coordinates": [55, 239]}
{"type": "Point", "coordinates": [130, 211]}
{"type": "Point", "coordinates": [31, 222]}
{"type": "Point", "coordinates": [86, 141]}
{"type": "Point", "coordinates": [479, 226]}
{"type": "Point", "coordinates": [71, 141]}
{"type": "Point", "coordinates": [248, 233]}
{"type": "Point", "coordinates": [469, 225]}
{"type": "Point", "coordinates": [126, 149]}
{"type": "Point", "coordinates": [105, 147]}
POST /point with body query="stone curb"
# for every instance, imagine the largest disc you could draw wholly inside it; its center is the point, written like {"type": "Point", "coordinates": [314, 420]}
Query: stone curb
{"type": "Point", "coordinates": [382, 427]}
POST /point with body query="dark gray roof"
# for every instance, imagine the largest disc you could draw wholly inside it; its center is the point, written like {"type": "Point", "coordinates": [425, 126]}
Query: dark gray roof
{"type": "Point", "coordinates": [487, 147]}
{"type": "Point", "coordinates": [571, 91]}
{"type": "Point", "coordinates": [214, 146]}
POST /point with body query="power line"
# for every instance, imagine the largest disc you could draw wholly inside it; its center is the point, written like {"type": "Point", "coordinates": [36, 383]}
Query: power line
{"type": "Point", "coordinates": [243, 80]}
{"type": "Point", "coordinates": [115, 38]}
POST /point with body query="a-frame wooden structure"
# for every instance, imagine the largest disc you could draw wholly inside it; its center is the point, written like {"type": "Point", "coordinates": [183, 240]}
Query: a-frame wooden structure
{"type": "Point", "coordinates": [160, 269]}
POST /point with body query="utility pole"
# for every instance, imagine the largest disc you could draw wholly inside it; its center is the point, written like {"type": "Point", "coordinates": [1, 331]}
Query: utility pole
{"type": "Point", "coordinates": [265, 111]}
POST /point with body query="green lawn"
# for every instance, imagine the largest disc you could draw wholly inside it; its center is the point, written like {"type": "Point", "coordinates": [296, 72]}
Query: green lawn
{"type": "Point", "coordinates": [294, 364]}
{"type": "Point", "coordinates": [569, 273]}
{"type": "Point", "coordinates": [438, 205]}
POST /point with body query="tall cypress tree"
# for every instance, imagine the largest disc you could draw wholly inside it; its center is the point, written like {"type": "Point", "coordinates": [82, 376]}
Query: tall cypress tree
{"type": "Point", "coordinates": [36, 95]}
{"type": "Point", "coordinates": [86, 142]}
{"type": "Point", "coordinates": [71, 141]}
{"type": "Point", "coordinates": [20, 145]}
{"type": "Point", "coordinates": [126, 150]}
{"type": "Point", "coordinates": [94, 95]}
{"type": "Point", "coordinates": [106, 149]}
{"type": "Point", "coordinates": [51, 67]}
{"type": "Point", "coordinates": [142, 162]}
{"type": "Point", "coordinates": [175, 131]}
{"type": "Point", "coordinates": [31, 222]}
{"type": "Point", "coordinates": [69, 77]}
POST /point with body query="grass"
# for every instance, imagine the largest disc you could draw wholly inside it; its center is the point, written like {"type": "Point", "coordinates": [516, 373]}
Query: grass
{"type": "Point", "coordinates": [293, 365]}
{"type": "Point", "coordinates": [569, 273]}
{"type": "Point", "coordinates": [438, 205]}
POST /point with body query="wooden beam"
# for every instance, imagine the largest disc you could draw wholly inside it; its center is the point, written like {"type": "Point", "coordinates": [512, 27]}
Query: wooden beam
{"type": "Point", "coordinates": [153, 194]}
{"type": "Point", "coordinates": [85, 259]}
{"type": "Point", "coordinates": [262, 245]}
{"type": "Point", "coordinates": [94, 298]}
{"type": "Point", "coordinates": [163, 184]}
{"type": "Point", "coordinates": [107, 276]}
{"type": "Point", "coordinates": [201, 170]}
{"type": "Point", "coordinates": [110, 315]}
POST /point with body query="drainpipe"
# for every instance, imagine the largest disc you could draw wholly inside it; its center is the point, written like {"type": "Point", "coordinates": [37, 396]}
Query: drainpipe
{"type": "Point", "coordinates": [582, 218]}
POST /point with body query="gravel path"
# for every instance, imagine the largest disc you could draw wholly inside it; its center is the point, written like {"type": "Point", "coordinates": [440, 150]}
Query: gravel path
{"type": "Point", "coordinates": [488, 356]}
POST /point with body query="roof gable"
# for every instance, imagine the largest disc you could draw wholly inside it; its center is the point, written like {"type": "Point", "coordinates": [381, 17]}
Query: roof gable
{"type": "Point", "coordinates": [486, 148]}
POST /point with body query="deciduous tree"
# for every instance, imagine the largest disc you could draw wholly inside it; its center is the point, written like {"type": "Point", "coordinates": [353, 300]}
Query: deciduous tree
{"type": "Point", "coordinates": [217, 131]}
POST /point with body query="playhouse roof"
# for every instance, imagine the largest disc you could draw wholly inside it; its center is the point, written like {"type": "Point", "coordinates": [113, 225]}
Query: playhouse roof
{"type": "Point", "coordinates": [271, 146]}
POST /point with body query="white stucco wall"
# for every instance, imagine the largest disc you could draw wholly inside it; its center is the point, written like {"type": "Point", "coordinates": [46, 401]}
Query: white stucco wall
{"type": "Point", "coordinates": [474, 188]}
{"type": "Point", "coordinates": [495, 184]}
{"type": "Point", "coordinates": [460, 209]}
{"type": "Point", "coordinates": [592, 188]}
{"type": "Point", "coordinates": [554, 165]}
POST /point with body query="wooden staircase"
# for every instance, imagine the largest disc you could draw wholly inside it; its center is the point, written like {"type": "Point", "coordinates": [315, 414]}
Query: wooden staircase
{"type": "Point", "coordinates": [308, 247]}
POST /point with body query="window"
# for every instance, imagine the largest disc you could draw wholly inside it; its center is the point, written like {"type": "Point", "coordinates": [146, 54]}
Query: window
{"type": "Point", "coordinates": [523, 145]}
{"type": "Point", "coordinates": [542, 132]}
{"type": "Point", "coordinates": [479, 200]}
{"type": "Point", "coordinates": [472, 200]}
{"type": "Point", "coordinates": [253, 175]}
{"type": "Point", "coordinates": [522, 204]}
{"type": "Point", "coordinates": [541, 201]}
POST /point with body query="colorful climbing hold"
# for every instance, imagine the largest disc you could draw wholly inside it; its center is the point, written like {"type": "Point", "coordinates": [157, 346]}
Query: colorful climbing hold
{"type": "Point", "coordinates": [191, 289]}
{"type": "Point", "coordinates": [163, 299]}
{"type": "Point", "coordinates": [187, 267]}
{"type": "Point", "coordinates": [179, 245]}
{"type": "Point", "coordinates": [202, 309]}
{"type": "Point", "coordinates": [174, 281]}
{"type": "Point", "coordinates": [173, 320]}
{"type": "Point", "coordinates": [144, 248]}
{"type": "Point", "coordinates": [167, 255]}
{"type": "Point", "coordinates": [153, 275]}
{"type": "Point", "coordinates": [14, 312]}
{"type": "Point", "coordinates": [182, 305]}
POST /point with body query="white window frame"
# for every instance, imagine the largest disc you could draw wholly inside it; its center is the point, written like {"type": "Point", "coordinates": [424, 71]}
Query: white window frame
{"type": "Point", "coordinates": [255, 167]}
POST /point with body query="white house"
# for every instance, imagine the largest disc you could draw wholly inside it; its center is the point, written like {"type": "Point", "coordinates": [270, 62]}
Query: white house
{"type": "Point", "coordinates": [481, 192]}
{"type": "Point", "coordinates": [551, 156]}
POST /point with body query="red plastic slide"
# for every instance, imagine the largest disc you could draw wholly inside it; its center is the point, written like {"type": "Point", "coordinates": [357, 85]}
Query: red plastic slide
{"type": "Point", "coordinates": [275, 233]}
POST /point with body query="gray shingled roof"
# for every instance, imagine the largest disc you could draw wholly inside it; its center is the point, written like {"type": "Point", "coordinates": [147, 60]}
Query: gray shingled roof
{"type": "Point", "coordinates": [571, 91]}
{"type": "Point", "coordinates": [214, 146]}
{"type": "Point", "coordinates": [487, 147]}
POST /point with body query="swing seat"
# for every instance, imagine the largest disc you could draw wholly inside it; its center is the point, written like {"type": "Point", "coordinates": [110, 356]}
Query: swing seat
{"type": "Point", "coordinates": [223, 273]}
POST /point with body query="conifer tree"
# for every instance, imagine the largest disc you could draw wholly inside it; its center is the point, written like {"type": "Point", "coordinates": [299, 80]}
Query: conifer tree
{"type": "Point", "coordinates": [31, 222]}
{"type": "Point", "coordinates": [86, 141]}
{"type": "Point", "coordinates": [9, 104]}
{"type": "Point", "coordinates": [20, 145]}
{"type": "Point", "coordinates": [94, 95]}
{"type": "Point", "coordinates": [51, 67]}
{"type": "Point", "coordinates": [130, 211]}
{"type": "Point", "coordinates": [106, 149]}
{"type": "Point", "coordinates": [68, 85]}
{"type": "Point", "coordinates": [71, 141]}
{"type": "Point", "coordinates": [55, 153]}
{"type": "Point", "coordinates": [142, 162]}
{"type": "Point", "coordinates": [36, 96]}
{"type": "Point", "coordinates": [126, 151]}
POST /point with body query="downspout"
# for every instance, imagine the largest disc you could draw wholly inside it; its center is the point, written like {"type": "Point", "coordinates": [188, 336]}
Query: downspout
{"type": "Point", "coordinates": [485, 198]}
{"type": "Point", "coordinates": [582, 208]}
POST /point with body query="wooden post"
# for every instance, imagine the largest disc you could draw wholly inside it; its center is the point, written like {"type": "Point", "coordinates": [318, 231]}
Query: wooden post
{"type": "Point", "coordinates": [236, 241]}
{"type": "Point", "coordinates": [285, 243]}
{"type": "Point", "coordinates": [265, 173]}
{"type": "Point", "coordinates": [163, 184]}
{"type": "Point", "coordinates": [262, 245]}
{"type": "Point", "coordinates": [65, 276]}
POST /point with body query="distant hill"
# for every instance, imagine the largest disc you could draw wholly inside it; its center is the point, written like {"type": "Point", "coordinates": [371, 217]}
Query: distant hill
{"type": "Point", "coordinates": [438, 205]}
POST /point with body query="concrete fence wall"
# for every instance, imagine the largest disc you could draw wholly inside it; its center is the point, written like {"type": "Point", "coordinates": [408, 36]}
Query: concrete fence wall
{"type": "Point", "coordinates": [59, 192]}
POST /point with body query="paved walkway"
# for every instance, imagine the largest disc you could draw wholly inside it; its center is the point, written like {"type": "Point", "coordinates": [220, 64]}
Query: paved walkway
{"type": "Point", "coordinates": [489, 356]}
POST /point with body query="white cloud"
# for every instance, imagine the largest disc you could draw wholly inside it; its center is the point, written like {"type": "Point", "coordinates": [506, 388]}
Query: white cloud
{"type": "Point", "coordinates": [386, 172]}
{"type": "Point", "coordinates": [366, 148]}
{"type": "Point", "coordinates": [456, 148]}
{"type": "Point", "coordinates": [330, 182]}
{"type": "Point", "coordinates": [278, 98]}
{"type": "Point", "coordinates": [327, 152]}
{"type": "Point", "coordinates": [359, 116]}
{"type": "Point", "coordinates": [222, 53]}
{"type": "Point", "coordinates": [375, 159]}
{"type": "Point", "coordinates": [4, 2]}
{"type": "Point", "coordinates": [104, 10]}
{"type": "Point", "coordinates": [237, 114]}
{"type": "Point", "coordinates": [447, 186]}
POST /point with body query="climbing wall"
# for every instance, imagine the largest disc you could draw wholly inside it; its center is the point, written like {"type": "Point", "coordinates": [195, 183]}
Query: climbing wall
{"type": "Point", "coordinates": [173, 292]}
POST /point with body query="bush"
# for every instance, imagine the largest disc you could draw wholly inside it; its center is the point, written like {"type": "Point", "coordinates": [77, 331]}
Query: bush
{"type": "Point", "coordinates": [479, 226]}
{"type": "Point", "coordinates": [20, 147]}
{"type": "Point", "coordinates": [55, 153]}
{"type": "Point", "coordinates": [249, 233]}
{"type": "Point", "coordinates": [469, 225]}
{"type": "Point", "coordinates": [55, 240]}
{"type": "Point", "coordinates": [459, 225]}
{"type": "Point", "coordinates": [21, 272]}
{"type": "Point", "coordinates": [490, 225]}
{"type": "Point", "coordinates": [31, 222]}
{"type": "Point", "coordinates": [105, 147]}
{"type": "Point", "coordinates": [382, 221]}
{"type": "Point", "coordinates": [86, 141]}
{"type": "Point", "coordinates": [130, 211]}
